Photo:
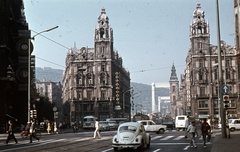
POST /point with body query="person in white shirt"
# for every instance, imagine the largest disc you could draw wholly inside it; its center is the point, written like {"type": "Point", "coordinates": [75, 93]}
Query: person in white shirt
{"type": "Point", "coordinates": [96, 132]}
{"type": "Point", "coordinates": [192, 130]}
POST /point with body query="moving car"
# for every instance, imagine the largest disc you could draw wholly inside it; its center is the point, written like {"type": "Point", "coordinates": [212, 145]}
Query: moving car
{"type": "Point", "coordinates": [103, 126]}
{"type": "Point", "coordinates": [112, 125]}
{"type": "Point", "coordinates": [170, 124]}
{"type": "Point", "coordinates": [234, 124]}
{"type": "Point", "coordinates": [131, 135]}
{"type": "Point", "coordinates": [151, 126]}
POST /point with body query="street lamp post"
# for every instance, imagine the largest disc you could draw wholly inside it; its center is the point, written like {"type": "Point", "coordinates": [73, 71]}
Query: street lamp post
{"type": "Point", "coordinates": [29, 68]}
{"type": "Point", "coordinates": [124, 101]}
{"type": "Point", "coordinates": [223, 118]}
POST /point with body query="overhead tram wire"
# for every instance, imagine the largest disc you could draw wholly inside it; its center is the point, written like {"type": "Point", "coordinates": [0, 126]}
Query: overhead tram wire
{"type": "Point", "coordinates": [155, 69]}
{"type": "Point", "coordinates": [70, 49]}
{"type": "Point", "coordinates": [51, 62]}
{"type": "Point", "coordinates": [53, 41]}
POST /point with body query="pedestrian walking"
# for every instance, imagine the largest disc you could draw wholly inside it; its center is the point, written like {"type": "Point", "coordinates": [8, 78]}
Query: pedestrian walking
{"type": "Point", "coordinates": [55, 128]}
{"type": "Point", "coordinates": [49, 127]}
{"type": "Point", "coordinates": [210, 122]}
{"type": "Point", "coordinates": [60, 126]}
{"type": "Point", "coordinates": [187, 124]}
{"type": "Point", "coordinates": [25, 132]}
{"type": "Point", "coordinates": [205, 129]}
{"type": "Point", "coordinates": [192, 131]}
{"type": "Point", "coordinates": [96, 132]}
{"type": "Point", "coordinates": [32, 131]}
{"type": "Point", "coordinates": [10, 132]}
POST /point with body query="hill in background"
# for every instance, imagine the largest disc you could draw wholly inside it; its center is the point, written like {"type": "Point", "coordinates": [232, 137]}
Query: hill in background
{"type": "Point", "coordinates": [49, 74]}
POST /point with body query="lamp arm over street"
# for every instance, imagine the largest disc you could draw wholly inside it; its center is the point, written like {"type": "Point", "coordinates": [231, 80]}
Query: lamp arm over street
{"type": "Point", "coordinates": [47, 30]}
{"type": "Point", "coordinates": [29, 68]}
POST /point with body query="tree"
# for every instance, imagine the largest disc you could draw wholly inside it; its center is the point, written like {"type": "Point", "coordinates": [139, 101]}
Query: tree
{"type": "Point", "coordinates": [44, 109]}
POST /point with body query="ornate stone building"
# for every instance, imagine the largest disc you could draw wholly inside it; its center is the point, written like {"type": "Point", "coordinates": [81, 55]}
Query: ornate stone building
{"type": "Point", "coordinates": [174, 93]}
{"type": "Point", "coordinates": [14, 35]}
{"type": "Point", "coordinates": [95, 81]}
{"type": "Point", "coordinates": [199, 83]}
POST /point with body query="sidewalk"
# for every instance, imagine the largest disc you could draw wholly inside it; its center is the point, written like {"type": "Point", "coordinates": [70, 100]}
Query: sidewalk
{"type": "Point", "coordinates": [3, 137]}
{"type": "Point", "coordinates": [225, 144]}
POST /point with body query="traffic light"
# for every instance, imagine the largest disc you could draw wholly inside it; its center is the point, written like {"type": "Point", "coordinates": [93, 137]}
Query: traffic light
{"type": "Point", "coordinates": [34, 114]}
{"type": "Point", "coordinates": [226, 101]}
{"type": "Point", "coordinates": [31, 113]}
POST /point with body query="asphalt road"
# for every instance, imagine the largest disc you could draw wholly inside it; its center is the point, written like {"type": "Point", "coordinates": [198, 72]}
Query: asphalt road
{"type": "Point", "coordinates": [170, 141]}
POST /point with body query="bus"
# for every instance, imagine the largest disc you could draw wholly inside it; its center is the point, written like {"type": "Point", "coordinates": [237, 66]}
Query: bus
{"type": "Point", "coordinates": [89, 122]}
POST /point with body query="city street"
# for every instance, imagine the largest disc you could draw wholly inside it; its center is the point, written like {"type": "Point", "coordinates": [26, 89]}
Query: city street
{"type": "Point", "coordinates": [171, 140]}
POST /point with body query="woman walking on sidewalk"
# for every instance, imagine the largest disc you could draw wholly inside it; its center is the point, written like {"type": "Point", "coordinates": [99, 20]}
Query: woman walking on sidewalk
{"type": "Point", "coordinates": [10, 133]}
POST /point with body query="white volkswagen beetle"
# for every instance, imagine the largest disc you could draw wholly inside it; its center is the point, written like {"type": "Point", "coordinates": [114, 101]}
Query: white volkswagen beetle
{"type": "Point", "coordinates": [131, 135]}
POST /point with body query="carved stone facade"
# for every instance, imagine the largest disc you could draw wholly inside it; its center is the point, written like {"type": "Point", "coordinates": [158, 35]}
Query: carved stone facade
{"type": "Point", "coordinates": [95, 80]}
{"type": "Point", "coordinates": [174, 94]}
{"type": "Point", "coordinates": [199, 83]}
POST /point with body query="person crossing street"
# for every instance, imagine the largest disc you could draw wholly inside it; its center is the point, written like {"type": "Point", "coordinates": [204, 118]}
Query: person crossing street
{"type": "Point", "coordinates": [10, 133]}
{"type": "Point", "coordinates": [192, 130]}
{"type": "Point", "coordinates": [96, 132]}
{"type": "Point", "coordinates": [32, 130]}
{"type": "Point", "coordinates": [205, 129]}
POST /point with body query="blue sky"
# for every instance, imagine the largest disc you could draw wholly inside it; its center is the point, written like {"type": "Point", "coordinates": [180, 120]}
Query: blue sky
{"type": "Point", "coordinates": [150, 35]}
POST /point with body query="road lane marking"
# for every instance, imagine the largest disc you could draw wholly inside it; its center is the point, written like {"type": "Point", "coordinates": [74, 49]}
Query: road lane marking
{"type": "Point", "coordinates": [156, 144]}
{"type": "Point", "coordinates": [179, 137]}
{"type": "Point", "coordinates": [156, 150]}
{"type": "Point", "coordinates": [166, 138]}
{"type": "Point", "coordinates": [107, 150]}
{"type": "Point", "coordinates": [186, 148]}
{"type": "Point", "coordinates": [156, 137]}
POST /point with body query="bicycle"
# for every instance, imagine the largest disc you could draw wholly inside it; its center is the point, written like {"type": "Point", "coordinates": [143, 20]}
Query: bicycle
{"type": "Point", "coordinates": [26, 134]}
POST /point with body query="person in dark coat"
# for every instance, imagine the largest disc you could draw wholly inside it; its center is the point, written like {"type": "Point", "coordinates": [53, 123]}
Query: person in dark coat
{"type": "Point", "coordinates": [32, 131]}
{"type": "Point", "coordinates": [10, 132]}
{"type": "Point", "coordinates": [205, 129]}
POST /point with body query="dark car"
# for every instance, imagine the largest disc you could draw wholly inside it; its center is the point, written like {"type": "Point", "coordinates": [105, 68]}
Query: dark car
{"type": "Point", "coordinates": [113, 125]}
{"type": "Point", "coordinates": [103, 126]}
{"type": "Point", "coordinates": [169, 124]}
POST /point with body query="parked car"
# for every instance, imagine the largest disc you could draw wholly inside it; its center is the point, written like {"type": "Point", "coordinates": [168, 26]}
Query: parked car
{"type": "Point", "coordinates": [112, 125]}
{"type": "Point", "coordinates": [234, 124]}
{"type": "Point", "coordinates": [131, 135]}
{"type": "Point", "coordinates": [151, 126]}
{"type": "Point", "coordinates": [103, 126]}
{"type": "Point", "coordinates": [170, 124]}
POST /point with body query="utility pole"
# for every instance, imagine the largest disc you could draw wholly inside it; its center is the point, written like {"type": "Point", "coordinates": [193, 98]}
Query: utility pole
{"type": "Point", "coordinates": [220, 78]}
{"type": "Point", "coordinates": [29, 68]}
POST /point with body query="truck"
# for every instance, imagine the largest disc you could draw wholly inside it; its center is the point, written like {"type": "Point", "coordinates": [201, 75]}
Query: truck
{"type": "Point", "coordinates": [151, 126]}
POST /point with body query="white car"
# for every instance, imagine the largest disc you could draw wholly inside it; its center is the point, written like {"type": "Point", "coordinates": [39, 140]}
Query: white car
{"type": "Point", "coordinates": [131, 135]}
{"type": "Point", "coordinates": [151, 126]}
{"type": "Point", "coordinates": [234, 124]}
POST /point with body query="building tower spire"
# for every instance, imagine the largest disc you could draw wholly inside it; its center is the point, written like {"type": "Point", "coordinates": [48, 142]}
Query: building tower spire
{"type": "Point", "coordinates": [173, 76]}
{"type": "Point", "coordinates": [199, 26]}
{"type": "Point", "coordinates": [174, 92]}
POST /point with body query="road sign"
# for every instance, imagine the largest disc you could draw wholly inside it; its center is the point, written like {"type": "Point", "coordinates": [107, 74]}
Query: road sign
{"type": "Point", "coordinates": [225, 89]}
